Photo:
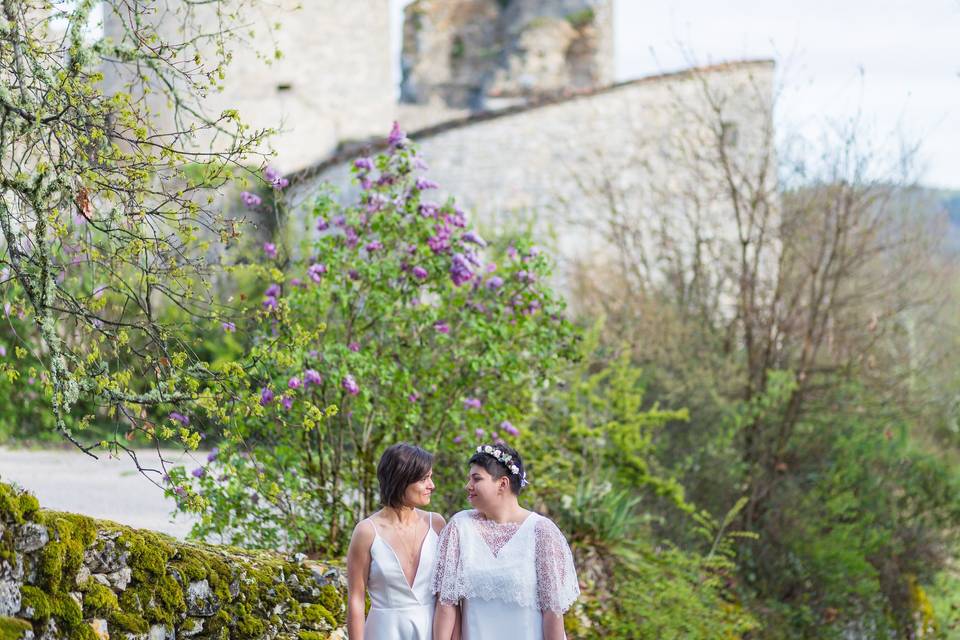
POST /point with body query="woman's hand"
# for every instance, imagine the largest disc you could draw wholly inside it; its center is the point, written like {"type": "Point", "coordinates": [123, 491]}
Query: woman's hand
{"type": "Point", "coordinates": [358, 572]}
{"type": "Point", "coordinates": [553, 626]}
{"type": "Point", "coordinates": [446, 622]}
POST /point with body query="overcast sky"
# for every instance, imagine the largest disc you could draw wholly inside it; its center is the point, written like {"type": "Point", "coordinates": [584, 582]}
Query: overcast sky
{"type": "Point", "coordinates": [895, 62]}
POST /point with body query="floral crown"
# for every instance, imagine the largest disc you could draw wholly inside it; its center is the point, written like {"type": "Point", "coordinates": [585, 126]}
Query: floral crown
{"type": "Point", "coordinates": [505, 459]}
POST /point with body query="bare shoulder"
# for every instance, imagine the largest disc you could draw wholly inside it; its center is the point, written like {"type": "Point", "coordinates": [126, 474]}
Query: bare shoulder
{"type": "Point", "coordinates": [363, 534]}
{"type": "Point", "coordinates": [438, 522]}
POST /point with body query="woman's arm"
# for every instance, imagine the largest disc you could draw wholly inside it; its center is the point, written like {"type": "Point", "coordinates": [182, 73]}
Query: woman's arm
{"type": "Point", "coordinates": [553, 626]}
{"type": "Point", "coordinates": [446, 618]}
{"type": "Point", "coordinates": [358, 571]}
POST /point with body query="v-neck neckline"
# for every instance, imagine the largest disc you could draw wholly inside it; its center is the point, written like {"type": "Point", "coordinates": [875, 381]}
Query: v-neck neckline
{"type": "Point", "coordinates": [479, 522]}
{"type": "Point", "coordinates": [416, 572]}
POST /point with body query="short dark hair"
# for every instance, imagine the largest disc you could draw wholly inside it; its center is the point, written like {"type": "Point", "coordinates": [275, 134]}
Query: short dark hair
{"type": "Point", "coordinates": [498, 469]}
{"type": "Point", "coordinates": [400, 466]}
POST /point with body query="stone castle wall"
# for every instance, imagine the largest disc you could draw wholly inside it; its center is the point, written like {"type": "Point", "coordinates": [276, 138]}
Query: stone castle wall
{"type": "Point", "coordinates": [634, 148]}
{"type": "Point", "coordinates": [333, 83]}
{"type": "Point", "coordinates": [69, 577]}
{"type": "Point", "coordinates": [485, 54]}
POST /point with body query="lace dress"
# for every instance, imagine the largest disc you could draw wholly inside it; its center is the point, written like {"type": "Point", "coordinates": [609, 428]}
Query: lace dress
{"type": "Point", "coordinates": [504, 576]}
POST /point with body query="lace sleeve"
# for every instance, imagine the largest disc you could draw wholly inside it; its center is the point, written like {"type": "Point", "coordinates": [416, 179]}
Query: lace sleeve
{"type": "Point", "coordinates": [557, 586]}
{"type": "Point", "coordinates": [448, 579]}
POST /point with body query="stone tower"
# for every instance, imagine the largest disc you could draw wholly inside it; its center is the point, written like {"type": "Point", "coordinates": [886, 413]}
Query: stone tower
{"type": "Point", "coordinates": [333, 83]}
{"type": "Point", "coordinates": [483, 54]}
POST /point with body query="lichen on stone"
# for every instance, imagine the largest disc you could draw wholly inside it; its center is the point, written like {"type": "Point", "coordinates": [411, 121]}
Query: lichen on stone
{"type": "Point", "coordinates": [84, 579]}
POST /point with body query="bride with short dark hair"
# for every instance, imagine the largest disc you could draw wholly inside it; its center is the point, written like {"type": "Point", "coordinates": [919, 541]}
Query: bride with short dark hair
{"type": "Point", "coordinates": [393, 553]}
{"type": "Point", "coordinates": [503, 570]}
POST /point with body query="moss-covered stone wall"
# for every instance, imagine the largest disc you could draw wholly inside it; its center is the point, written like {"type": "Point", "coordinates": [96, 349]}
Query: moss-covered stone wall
{"type": "Point", "coordinates": [66, 576]}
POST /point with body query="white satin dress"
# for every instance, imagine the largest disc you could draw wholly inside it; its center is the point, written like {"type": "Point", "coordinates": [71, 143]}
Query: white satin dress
{"type": "Point", "coordinates": [399, 611]}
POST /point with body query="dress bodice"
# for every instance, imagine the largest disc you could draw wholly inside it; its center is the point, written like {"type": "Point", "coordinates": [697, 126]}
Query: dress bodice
{"type": "Point", "coordinates": [388, 585]}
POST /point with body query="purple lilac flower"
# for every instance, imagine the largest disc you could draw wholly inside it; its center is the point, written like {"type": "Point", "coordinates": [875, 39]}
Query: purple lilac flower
{"type": "Point", "coordinates": [352, 238]}
{"type": "Point", "coordinates": [474, 237]}
{"type": "Point", "coordinates": [480, 433]}
{"type": "Point", "coordinates": [273, 291]}
{"type": "Point", "coordinates": [287, 402]}
{"type": "Point", "coordinates": [458, 218]}
{"type": "Point", "coordinates": [509, 428]}
{"type": "Point", "coordinates": [423, 184]}
{"type": "Point", "coordinates": [376, 245]}
{"type": "Point", "coordinates": [3, 351]}
{"type": "Point", "coordinates": [322, 224]}
{"type": "Point", "coordinates": [472, 403]}
{"type": "Point", "coordinates": [512, 252]}
{"type": "Point", "coordinates": [350, 385]}
{"type": "Point", "coordinates": [364, 164]}
{"type": "Point", "coordinates": [199, 472]}
{"type": "Point", "coordinates": [353, 274]}
{"type": "Point", "coordinates": [365, 182]}
{"type": "Point", "coordinates": [251, 200]}
{"type": "Point", "coordinates": [269, 303]}
{"type": "Point", "coordinates": [397, 136]}
{"type": "Point", "coordinates": [213, 454]}
{"type": "Point", "coordinates": [228, 327]}
{"type": "Point", "coordinates": [457, 439]}
{"type": "Point", "coordinates": [311, 376]}
{"type": "Point", "coordinates": [441, 326]}
{"type": "Point", "coordinates": [179, 417]}
{"type": "Point", "coordinates": [413, 397]}
{"type": "Point", "coordinates": [275, 178]}
{"type": "Point", "coordinates": [494, 283]}
{"type": "Point", "coordinates": [495, 436]}
{"type": "Point", "coordinates": [180, 491]}
{"type": "Point", "coordinates": [428, 210]}
{"type": "Point", "coordinates": [270, 249]}
{"type": "Point", "coordinates": [460, 270]}
{"type": "Point", "coordinates": [316, 271]}
{"type": "Point", "coordinates": [375, 203]}
{"type": "Point", "coordinates": [294, 383]}
{"type": "Point", "coordinates": [340, 220]}
{"type": "Point", "coordinates": [440, 242]}
{"type": "Point", "coordinates": [420, 273]}
{"type": "Point", "coordinates": [266, 396]}
{"type": "Point", "coordinates": [354, 346]}
{"type": "Point", "coordinates": [491, 267]}
{"type": "Point", "coordinates": [296, 282]}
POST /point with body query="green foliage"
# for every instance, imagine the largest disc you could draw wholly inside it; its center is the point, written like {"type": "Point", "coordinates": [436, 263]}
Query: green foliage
{"type": "Point", "coordinates": [114, 223]}
{"type": "Point", "coordinates": [582, 18]}
{"type": "Point", "coordinates": [591, 454]}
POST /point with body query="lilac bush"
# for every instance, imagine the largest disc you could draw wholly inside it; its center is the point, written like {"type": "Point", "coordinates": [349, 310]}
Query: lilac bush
{"type": "Point", "coordinates": [402, 325]}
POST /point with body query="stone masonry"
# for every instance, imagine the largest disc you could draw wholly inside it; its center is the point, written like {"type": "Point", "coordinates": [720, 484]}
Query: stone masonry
{"type": "Point", "coordinates": [558, 166]}
{"type": "Point", "coordinates": [333, 83]}
{"type": "Point", "coordinates": [485, 54]}
{"type": "Point", "coordinates": [70, 577]}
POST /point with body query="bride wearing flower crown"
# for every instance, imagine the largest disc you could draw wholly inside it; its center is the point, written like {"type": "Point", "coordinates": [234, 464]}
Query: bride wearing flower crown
{"type": "Point", "coordinates": [500, 567]}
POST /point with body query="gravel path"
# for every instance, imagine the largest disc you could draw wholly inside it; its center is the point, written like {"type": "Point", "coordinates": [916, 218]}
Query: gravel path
{"type": "Point", "coordinates": [109, 489]}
